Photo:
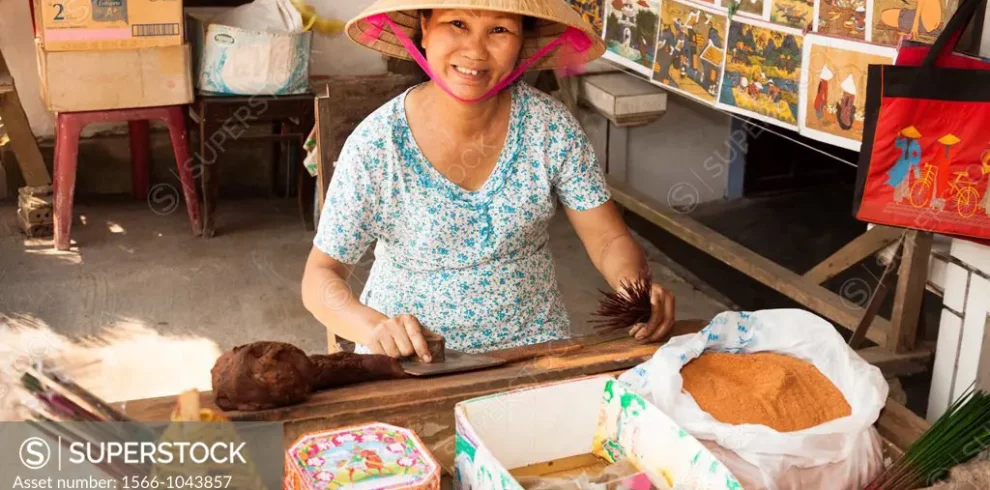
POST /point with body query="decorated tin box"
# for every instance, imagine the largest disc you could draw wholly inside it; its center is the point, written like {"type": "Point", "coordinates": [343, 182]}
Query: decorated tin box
{"type": "Point", "coordinates": [365, 457]}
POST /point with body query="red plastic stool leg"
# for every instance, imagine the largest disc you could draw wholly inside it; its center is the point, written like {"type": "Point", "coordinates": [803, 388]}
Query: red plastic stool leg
{"type": "Point", "coordinates": [140, 166]}
{"type": "Point", "coordinates": [67, 154]}
{"type": "Point", "coordinates": [180, 146]}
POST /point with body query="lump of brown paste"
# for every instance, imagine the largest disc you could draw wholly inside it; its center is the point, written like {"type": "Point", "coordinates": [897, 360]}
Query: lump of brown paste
{"type": "Point", "coordinates": [262, 375]}
{"type": "Point", "coordinates": [344, 368]}
{"type": "Point", "coordinates": [266, 374]}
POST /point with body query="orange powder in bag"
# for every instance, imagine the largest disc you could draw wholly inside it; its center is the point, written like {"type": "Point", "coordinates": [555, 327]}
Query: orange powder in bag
{"type": "Point", "coordinates": [779, 391]}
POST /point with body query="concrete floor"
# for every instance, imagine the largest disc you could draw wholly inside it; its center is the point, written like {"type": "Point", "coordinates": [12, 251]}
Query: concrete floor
{"type": "Point", "coordinates": [142, 308]}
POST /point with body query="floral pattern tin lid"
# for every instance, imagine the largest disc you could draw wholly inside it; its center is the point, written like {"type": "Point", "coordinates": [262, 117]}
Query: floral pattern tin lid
{"type": "Point", "coordinates": [374, 456]}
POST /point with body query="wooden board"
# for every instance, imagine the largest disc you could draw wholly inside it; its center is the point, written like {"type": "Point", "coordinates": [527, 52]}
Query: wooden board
{"type": "Point", "coordinates": [806, 292]}
{"type": "Point", "coordinates": [910, 290]}
{"type": "Point", "coordinates": [853, 252]}
{"type": "Point", "coordinates": [899, 364]}
{"type": "Point", "coordinates": [900, 426]}
{"type": "Point", "coordinates": [563, 467]}
{"type": "Point", "coordinates": [426, 405]}
{"type": "Point", "coordinates": [18, 129]}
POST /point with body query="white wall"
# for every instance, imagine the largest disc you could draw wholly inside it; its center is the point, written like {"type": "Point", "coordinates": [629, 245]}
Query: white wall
{"type": "Point", "coordinates": [338, 54]}
{"type": "Point", "coordinates": [964, 336]}
{"type": "Point", "coordinates": [682, 157]}
{"type": "Point", "coordinates": [331, 55]}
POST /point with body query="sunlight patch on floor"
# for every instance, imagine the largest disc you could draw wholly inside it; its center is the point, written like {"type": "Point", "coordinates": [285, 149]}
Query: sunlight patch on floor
{"type": "Point", "coordinates": [129, 360]}
{"type": "Point", "coordinates": [46, 247]}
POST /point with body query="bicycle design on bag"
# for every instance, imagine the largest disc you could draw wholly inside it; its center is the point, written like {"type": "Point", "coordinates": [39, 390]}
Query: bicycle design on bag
{"type": "Point", "coordinates": [963, 192]}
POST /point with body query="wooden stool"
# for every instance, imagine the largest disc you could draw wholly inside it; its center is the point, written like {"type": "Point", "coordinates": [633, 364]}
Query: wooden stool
{"type": "Point", "coordinates": [70, 125]}
{"type": "Point", "coordinates": [224, 120]}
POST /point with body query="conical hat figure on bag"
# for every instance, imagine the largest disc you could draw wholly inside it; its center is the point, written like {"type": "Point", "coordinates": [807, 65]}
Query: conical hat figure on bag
{"type": "Point", "coordinates": [554, 36]}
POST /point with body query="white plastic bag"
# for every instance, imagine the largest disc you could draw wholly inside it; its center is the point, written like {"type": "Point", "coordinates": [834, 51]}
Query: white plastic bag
{"type": "Point", "coordinates": [843, 454]}
{"type": "Point", "coordinates": [277, 16]}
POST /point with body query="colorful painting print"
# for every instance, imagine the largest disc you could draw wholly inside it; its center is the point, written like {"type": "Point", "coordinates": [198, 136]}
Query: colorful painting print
{"type": "Point", "coordinates": [762, 72]}
{"type": "Point", "coordinates": [631, 31]}
{"type": "Point", "coordinates": [591, 10]}
{"type": "Point", "coordinates": [834, 75]}
{"type": "Point", "coordinates": [690, 50]}
{"type": "Point", "coordinates": [918, 20]}
{"type": "Point", "coordinates": [757, 9]}
{"type": "Point", "coordinates": [799, 14]}
{"type": "Point", "coordinates": [848, 19]}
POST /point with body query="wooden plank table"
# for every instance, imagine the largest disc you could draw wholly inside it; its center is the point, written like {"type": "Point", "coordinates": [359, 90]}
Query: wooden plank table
{"type": "Point", "coordinates": [426, 406]}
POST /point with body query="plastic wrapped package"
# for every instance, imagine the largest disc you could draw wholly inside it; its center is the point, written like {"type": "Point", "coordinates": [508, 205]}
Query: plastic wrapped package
{"type": "Point", "coordinates": [843, 454]}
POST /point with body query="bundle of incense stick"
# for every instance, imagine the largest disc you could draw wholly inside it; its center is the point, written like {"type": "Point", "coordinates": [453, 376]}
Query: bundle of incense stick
{"type": "Point", "coordinates": [53, 401]}
{"type": "Point", "coordinates": [82, 397]}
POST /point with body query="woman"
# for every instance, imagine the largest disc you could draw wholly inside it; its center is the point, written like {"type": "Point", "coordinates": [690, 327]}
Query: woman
{"type": "Point", "coordinates": [457, 179]}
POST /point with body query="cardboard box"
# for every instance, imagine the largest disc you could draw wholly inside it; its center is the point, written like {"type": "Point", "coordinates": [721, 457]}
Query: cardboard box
{"type": "Point", "coordinates": [233, 61]}
{"type": "Point", "coordinates": [508, 434]}
{"type": "Point", "coordinates": [95, 80]}
{"type": "Point", "coordinates": [76, 25]}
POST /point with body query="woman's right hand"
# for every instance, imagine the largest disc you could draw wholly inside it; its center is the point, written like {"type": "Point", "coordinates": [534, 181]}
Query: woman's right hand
{"type": "Point", "coordinates": [399, 337]}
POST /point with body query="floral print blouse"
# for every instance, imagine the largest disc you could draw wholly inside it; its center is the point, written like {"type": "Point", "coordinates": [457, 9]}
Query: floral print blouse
{"type": "Point", "coordinates": [473, 266]}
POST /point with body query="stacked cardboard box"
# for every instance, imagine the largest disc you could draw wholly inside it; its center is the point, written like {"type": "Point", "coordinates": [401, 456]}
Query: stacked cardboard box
{"type": "Point", "coordinates": [112, 54]}
{"type": "Point", "coordinates": [34, 210]}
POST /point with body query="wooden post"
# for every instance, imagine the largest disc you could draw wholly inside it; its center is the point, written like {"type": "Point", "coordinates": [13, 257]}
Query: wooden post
{"type": "Point", "coordinates": [325, 157]}
{"type": "Point", "coordinates": [18, 129]}
{"type": "Point", "coordinates": [879, 294]}
{"type": "Point", "coordinates": [618, 153]}
{"type": "Point", "coordinates": [911, 280]}
{"type": "Point", "coordinates": [853, 252]}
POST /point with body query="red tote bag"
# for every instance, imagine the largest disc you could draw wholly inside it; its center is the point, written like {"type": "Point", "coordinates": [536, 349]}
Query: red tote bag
{"type": "Point", "coordinates": [925, 159]}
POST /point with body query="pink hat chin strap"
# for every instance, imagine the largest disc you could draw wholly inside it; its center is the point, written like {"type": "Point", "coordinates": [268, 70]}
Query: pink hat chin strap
{"type": "Point", "coordinates": [574, 41]}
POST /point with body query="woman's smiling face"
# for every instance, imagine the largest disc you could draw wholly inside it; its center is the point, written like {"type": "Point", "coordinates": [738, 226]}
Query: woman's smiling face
{"type": "Point", "coordinates": [471, 50]}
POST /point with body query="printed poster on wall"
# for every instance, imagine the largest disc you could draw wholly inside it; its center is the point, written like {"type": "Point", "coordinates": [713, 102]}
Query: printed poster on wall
{"type": "Point", "coordinates": [762, 72]}
{"type": "Point", "coordinates": [756, 9]}
{"type": "Point", "coordinates": [833, 75]}
{"type": "Point", "coordinates": [592, 11]}
{"type": "Point", "coordinates": [799, 14]}
{"type": "Point", "coordinates": [848, 19]}
{"type": "Point", "coordinates": [690, 50]}
{"type": "Point", "coordinates": [631, 33]}
{"type": "Point", "coordinates": [716, 4]}
{"type": "Point", "coordinates": [921, 20]}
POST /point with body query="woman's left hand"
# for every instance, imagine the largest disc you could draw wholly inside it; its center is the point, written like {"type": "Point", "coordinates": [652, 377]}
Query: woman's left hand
{"type": "Point", "coordinates": [661, 320]}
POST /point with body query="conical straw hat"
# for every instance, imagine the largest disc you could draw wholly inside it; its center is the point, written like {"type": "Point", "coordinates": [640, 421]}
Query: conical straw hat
{"type": "Point", "coordinates": [551, 19]}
